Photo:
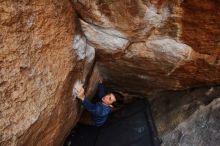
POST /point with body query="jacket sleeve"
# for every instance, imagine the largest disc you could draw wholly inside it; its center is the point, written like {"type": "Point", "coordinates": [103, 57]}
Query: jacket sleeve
{"type": "Point", "coordinates": [89, 106]}
{"type": "Point", "coordinates": [102, 90]}
{"type": "Point", "coordinates": [95, 109]}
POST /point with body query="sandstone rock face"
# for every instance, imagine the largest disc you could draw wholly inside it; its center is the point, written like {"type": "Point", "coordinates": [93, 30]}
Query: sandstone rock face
{"type": "Point", "coordinates": [202, 128]}
{"type": "Point", "coordinates": [141, 47]}
{"type": "Point", "coordinates": [170, 108]}
{"type": "Point", "coordinates": [39, 61]}
{"type": "Point", "coordinates": [152, 45]}
{"type": "Point", "coordinates": [146, 46]}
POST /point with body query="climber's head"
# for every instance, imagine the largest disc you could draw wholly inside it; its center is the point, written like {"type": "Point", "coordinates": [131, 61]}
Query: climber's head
{"type": "Point", "coordinates": [113, 98]}
{"type": "Point", "coordinates": [109, 99]}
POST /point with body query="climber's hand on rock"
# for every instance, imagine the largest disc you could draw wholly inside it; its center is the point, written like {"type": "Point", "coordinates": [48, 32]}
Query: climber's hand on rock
{"type": "Point", "coordinates": [100, 80]}
{"type": "Point", "coordinates": [80, 93]}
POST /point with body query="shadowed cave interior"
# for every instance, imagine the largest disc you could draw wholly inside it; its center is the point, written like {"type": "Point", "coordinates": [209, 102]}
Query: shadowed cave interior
{"type": "Point", "coordinates": [142, 121]}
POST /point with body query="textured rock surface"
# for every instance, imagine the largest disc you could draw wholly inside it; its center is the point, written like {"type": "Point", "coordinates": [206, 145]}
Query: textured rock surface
{"type": "Point", "coordinates": [146, 46]}
{"type": "Point", "coordinates": [201, 25]}
{"type": "Point", "coordinates": [154, 44]}
{"type": "Point", "coordinates": [202, 128]}
{"type": "Point", "coordinates": [142, 46]}
{"type": "Point", "coordinates": [170, 108]}
{"type": "Point", "coordinates": [39, 60]}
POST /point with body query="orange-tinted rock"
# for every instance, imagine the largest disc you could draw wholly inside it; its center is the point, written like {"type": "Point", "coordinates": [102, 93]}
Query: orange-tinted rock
{"type": "Point", "coordinates": [142, 46]}
{"type": "Point", "coordinates": [38, 65]}
{"type": "Point", "coordinates": [136, 19]}
{"type": "Point", "coordinates": [171, 44]}
{"type": "Point", "coordinates": [201, 25]}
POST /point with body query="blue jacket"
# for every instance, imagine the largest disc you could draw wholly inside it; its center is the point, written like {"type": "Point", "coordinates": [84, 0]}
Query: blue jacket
{"type": "Point", "coordinates": [99, 111]}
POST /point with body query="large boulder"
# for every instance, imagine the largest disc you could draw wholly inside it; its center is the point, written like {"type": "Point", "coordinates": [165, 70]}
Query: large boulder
{"type": "Point", "coordinates": [41, 55]}
{"type": "Point", "coordinates": [171, 108]}
{"type": "Point", "coordinates": [146, 46]}
{"type": "Point", "coordinates": [141, 47]}
{"type": "Point", "coordinates": [202, 128]}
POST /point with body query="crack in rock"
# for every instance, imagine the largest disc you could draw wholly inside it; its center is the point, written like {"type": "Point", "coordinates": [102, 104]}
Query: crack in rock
{"type": "Point", "coordinates": [104, 38]}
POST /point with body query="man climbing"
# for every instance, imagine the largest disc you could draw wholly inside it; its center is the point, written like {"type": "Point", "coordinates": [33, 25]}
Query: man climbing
{"type": "Point", "coordinates": [99, 110]}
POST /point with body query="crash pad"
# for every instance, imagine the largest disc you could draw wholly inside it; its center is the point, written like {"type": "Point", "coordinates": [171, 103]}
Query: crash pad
{"type": "Point", "coordinates": [132, 125]}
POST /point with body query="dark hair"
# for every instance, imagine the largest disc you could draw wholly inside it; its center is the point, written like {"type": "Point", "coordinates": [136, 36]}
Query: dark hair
{"type": "Point", "coordinates": [119, 99]}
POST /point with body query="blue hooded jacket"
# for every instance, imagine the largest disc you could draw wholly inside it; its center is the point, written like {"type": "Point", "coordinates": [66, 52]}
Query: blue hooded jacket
{"type": "Point", "coordinates": [99, 111]}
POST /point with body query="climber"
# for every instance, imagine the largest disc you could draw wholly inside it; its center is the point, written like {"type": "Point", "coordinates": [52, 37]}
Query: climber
{"type": "Point", "coordinates": [100, 110]}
